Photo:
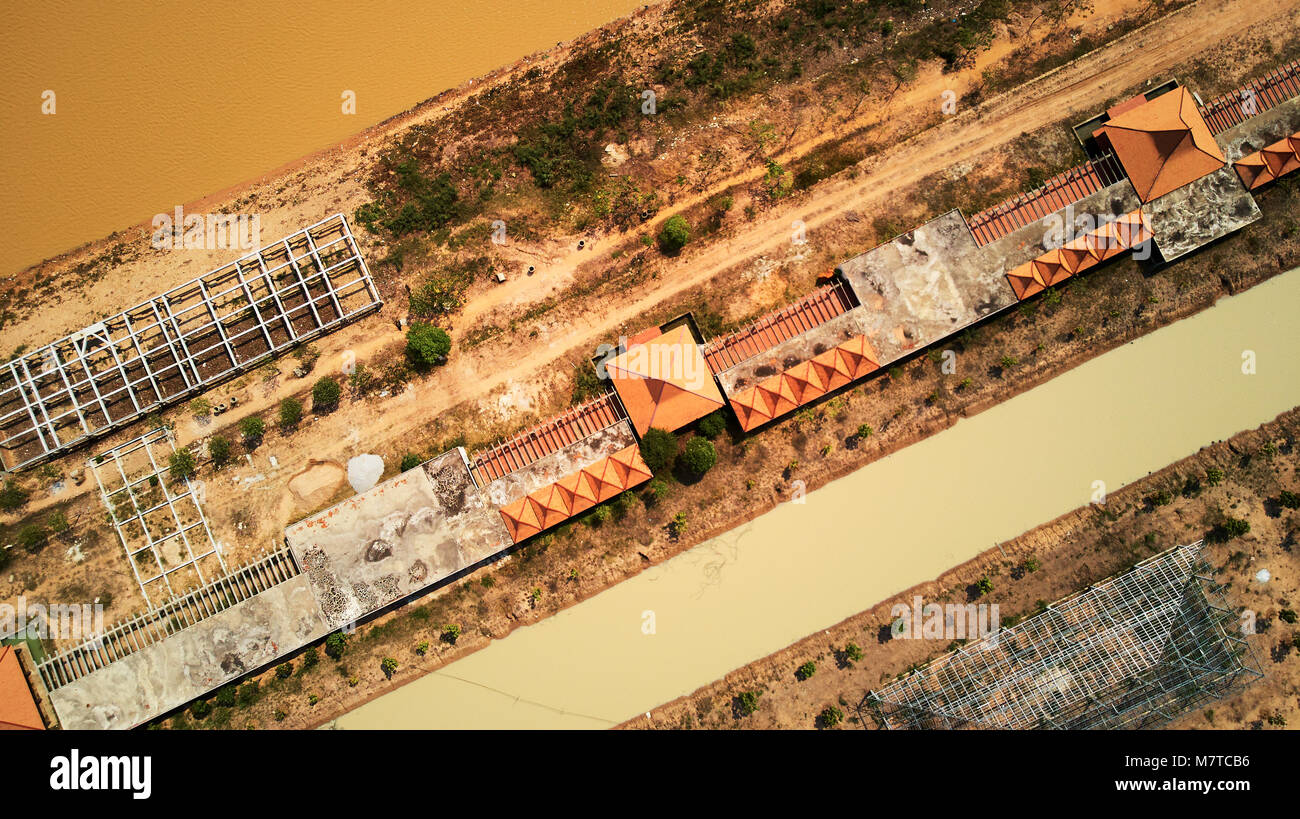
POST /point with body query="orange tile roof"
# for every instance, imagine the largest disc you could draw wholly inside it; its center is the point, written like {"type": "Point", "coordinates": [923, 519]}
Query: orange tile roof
{"type": "Point", "coordinates": [18, 709]}
{"type": "Point", "coordinates": [1061, 190]}
{"type": "Point", "coordinates": [547, 437]}
{"type": "Point", "coordinates": [781, 393]}
{"type": "Point", "coordinates": [1255, 97]}
{"type": "Point", "coordinates": [1253, 171]}
{"type": "Point", "coordinates": [778, 326]}
{"type": "Point", "coordinates": [1270, 162]}
{"type": "Point", "coordinates": [1025, 280]}
{"type": "Point", "coordinates": [1164, 144]}
{"type": "Point", "coordinates": [664, 382]}
{"type": "Point", "coordinates": [1124, 233]}
{"type": "Point", "coordinates": [575, 493]}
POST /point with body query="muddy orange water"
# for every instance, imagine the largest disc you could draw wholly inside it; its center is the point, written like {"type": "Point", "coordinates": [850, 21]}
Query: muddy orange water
{"type": "Point", "coordinates": [159, 104]}
{"type": "Point", "coordinates": [878, 531]}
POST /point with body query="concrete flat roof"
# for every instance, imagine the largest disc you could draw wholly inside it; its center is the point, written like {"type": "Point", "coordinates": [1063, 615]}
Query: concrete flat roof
{"type": "Point", "coordinates": [400, 537]}
{"type": "Point", "coordinates": [924, 285]}
{"type": "Point", "coordinates": [191, 662]}
{"type": "Point", "coordinates": [1260, 130]}
{"type": "Point", "coordinates": [1193, 216]}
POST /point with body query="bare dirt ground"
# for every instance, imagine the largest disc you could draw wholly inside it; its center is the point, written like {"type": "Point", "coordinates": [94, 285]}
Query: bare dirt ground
{"type": "Point", "coordinates": [1072, 552]}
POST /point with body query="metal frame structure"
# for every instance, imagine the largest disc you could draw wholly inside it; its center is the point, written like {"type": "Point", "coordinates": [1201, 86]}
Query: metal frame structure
{"type": "Point", "coordinates": [1133, 652]}
{"type": "Point", "coordinates": [136, 517]}
{"type": "Point", "coordinates": [143, 630]}
{"type": "Point", "coordinates": [182, 342]}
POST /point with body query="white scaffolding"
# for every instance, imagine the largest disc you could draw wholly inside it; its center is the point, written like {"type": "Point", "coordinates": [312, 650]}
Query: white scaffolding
{"type": "Point", "coordinates": [182, 342]}
{"type": "Point", "coordinates": [158, 519]}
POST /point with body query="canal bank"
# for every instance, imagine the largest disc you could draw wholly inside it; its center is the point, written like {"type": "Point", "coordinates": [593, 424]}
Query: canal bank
{"type": "Point", "coordinates": [897, 522]}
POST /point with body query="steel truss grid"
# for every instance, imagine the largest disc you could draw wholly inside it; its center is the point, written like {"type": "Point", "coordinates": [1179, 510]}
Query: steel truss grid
{"type": "Point", "coordinates": [182, 342]}
{"type": "Point", "coordinates": [1132, 652]}
{"type": "Point", "coordinates": [148, 527]}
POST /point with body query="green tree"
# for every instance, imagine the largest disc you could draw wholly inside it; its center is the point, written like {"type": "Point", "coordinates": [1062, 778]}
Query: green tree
{"type": "Point", "coordinates": [32, 537]}
{"type": "Point", "coordinates": [57, 521]}
{"type": "Point", "coordinates": [806, 670]}
{"type": "Point", "coordinates": [388, 666]}
{"type": "Point", "coordinates": [659, 449]}
{"type": "Point", "coordinates": [325, 394]}
{"type": "Point", "coordinates": [700, 456]}
{"type": "Point", "coordinates": [12, 496]}
{"type": "Point", "coordinates": [864, 431]}
{"type": "Point", "coordinates": [675, 234]}
{"type": "Point", "coordinates": [290, 413]}
{"type": "Point", "coordinates": [426, 345]}
{"type": "Point", "coordinates": [830, 717]}
{"type": "Point", "coordinates": [219, 450]}
{"type": "Point", "coordinates": [252, 428]}
{"type": "Point", "coordinates": [450, 633]}
{"type": "Point", "coordinates": [713, 424]}
{"type": "Point", "coordinates": [747, 702]}
{"type": "Point", "coordinates": [182, 464]}
{"type": "Point", "coordinates": [335, 644]}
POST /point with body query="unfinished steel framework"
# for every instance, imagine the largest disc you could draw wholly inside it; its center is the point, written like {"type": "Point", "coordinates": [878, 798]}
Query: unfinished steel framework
{"type": "Point", "coordinates": [191, 337]}
{"type": "Point", "coordinates": [158, 519]}
{"type": "Point", "coordinates": [1133, 652]}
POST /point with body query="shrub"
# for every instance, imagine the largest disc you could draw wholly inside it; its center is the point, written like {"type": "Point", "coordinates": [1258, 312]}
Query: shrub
{"type": "Point", "coordinates": [984, 586]}
{"type": "Point", "coordinates": [226, 696]}
{"type": "Point", "coordinates": [290, 413]}
{"type": "Point", "coordinates": [325, 394]}
{"type": "Point", "coordinates": [600, 514]}
{"type": "Point", "coordinates": [252, 428]}
{"type": "Point", "coordinates": [700, 456]}
{"type": "Point", "coordinates": [309, 659]}
{"type": "Point", "coordinates": [249, 693]}
{"type": "Point", "coordinates": [410, 461]}
{"type": "Point", "coordinates": [659, 449]}
{"type": "Point", "coordinates": [713, 424]}
{"type": "Point", "coordinates": [1214, 476]}
{"type": "Point", "coordinates": [32, 537]}
{"type": "Point", "coordinates": [655, 491]}
{"type": "Point", "coordinates": [675, 234]}
{"type": "Point", "coordinates": [12, 496]}
{"type": "Point", "coordinates": [219, 450]}
{"type": "Point", "coordinates": [451, 633]}
{"type": "Point", "coordinates": [1032, 564]}
{"type": "Point", "coordinates": [678, 524]}
{"type": "Point", "coordinates": [747, 702]}
{"type": "Point", "coordinates": [284, 671]}
{"type": "Point", "coordinates": [200, 709]}
{"type": "Point", "coordinates": [335, 643]}
{"type": "Point", "coordinates": [1230, 528]}
{"type": "Point", "coordinates": [852, 652]}
{"type": "Point", "coordinates": [388, 666]}
{"type": "Point", "coordinates": [830, 717]}
{"type": "Point", "coordinates": [57, 521]}
{"type": "Point", "coordinates": [806, 670]}
{"type": "Point", "coordinates": [422, 647]}
{"type": "Point", "coordinates": [426, 345]}
{"type": "Point", "coordinates": [864, 431]}
{"type": "Point", "coordinates": [182, 464]}
{"type": "Point", "coordinates": [1290, 500]}
{"type": "Point", "coordinates": [1288, 616]}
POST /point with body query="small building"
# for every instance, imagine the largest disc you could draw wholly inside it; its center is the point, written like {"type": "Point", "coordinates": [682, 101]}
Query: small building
{"type": "Point", "coordinates": [663, 379]}
{"type": "Point", "coordinates": [18, 709]}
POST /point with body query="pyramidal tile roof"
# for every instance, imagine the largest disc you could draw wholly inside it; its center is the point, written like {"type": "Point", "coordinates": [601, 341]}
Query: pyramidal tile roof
{"type": "Point", "coordinates": [664, 382]}
{"type": "Point", "coordinates": [575, 493]}
{"type": "Point", "coordinates": [1125, 232]}
{"type": "Point", "coordinates": [1163, 144]}
{"type": "Point", "coordinates": [807, 381]}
